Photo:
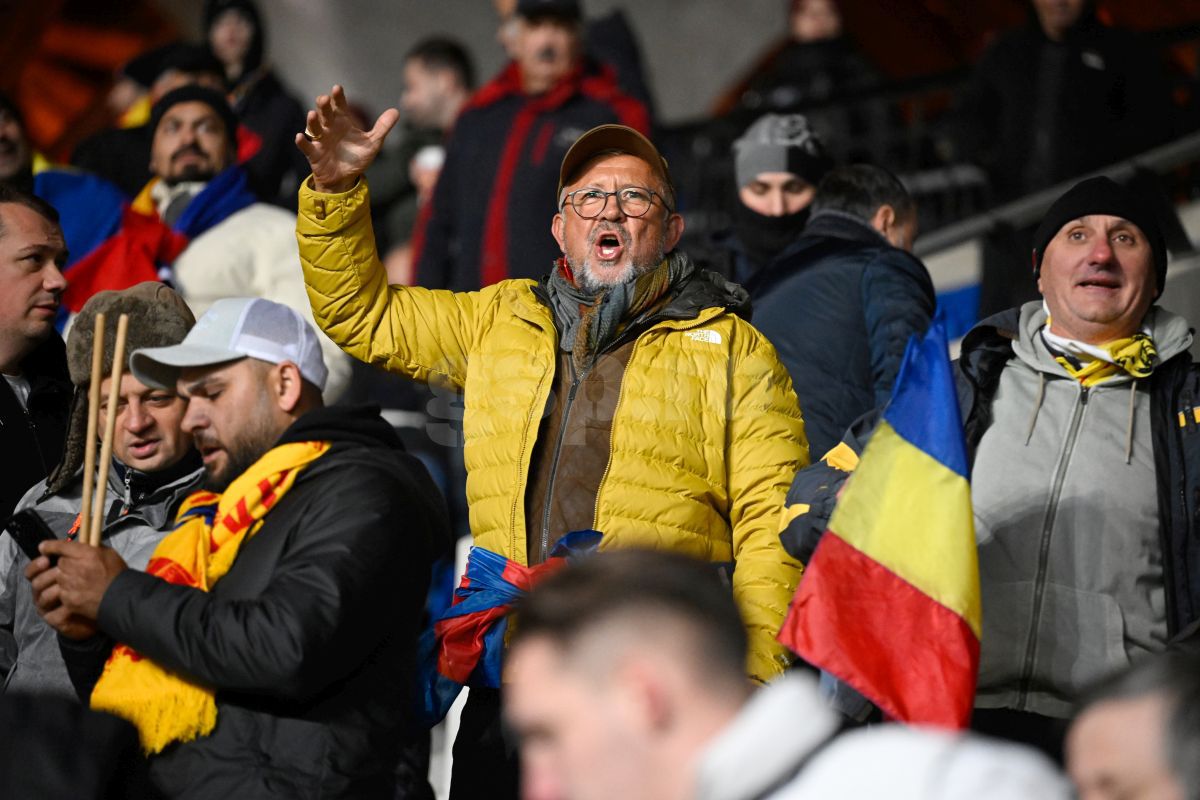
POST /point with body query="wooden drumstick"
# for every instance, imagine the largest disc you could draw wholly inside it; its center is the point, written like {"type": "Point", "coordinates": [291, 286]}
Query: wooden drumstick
{"type": "Point", "coordinates": [93, 422]}
{"type": "Point", "coordinates": [110, 429]}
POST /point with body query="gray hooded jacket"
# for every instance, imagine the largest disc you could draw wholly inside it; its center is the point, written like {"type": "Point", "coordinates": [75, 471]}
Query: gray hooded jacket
{"type": "Point", "coordinates": [134, 525]}
{"type": "Point", "coordinates": [1067, 518]}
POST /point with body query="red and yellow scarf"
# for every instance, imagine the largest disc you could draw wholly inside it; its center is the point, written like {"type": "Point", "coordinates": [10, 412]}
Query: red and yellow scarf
{"type": "Point", "coordinates": [209, 530]}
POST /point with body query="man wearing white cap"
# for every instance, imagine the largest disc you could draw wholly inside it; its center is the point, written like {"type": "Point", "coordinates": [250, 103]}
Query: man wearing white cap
{"type": "Point", "coordinates": [250, 654]}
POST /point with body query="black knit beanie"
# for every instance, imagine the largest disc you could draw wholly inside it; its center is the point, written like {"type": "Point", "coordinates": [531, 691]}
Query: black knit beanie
{"type": "Point", "coordinates": [193, 93]}
{"type": "Point", "coordinates": [1100, 195]}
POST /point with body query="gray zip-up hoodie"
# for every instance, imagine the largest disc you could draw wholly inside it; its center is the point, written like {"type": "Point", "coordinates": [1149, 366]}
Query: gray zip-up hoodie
{"type": "Point", "coordinates": [1066, 514]}
{"type": "Point", "coordinates": [133, 527]}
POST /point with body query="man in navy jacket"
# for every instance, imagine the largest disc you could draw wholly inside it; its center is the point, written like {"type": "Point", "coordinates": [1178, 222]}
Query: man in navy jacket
{"type": "Point", "coordinates": [841, 303]}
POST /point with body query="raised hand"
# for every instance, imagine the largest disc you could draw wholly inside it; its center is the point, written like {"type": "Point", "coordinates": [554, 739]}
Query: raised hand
{"type": "Point", "coordinates": [337, 150]}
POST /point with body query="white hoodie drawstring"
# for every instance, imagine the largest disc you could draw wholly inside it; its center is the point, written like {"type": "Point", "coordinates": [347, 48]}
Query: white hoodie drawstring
{"type": "Point", "coordinates": [1037, 406]}
{"type": "Point", "coordinates": [1129, 429]}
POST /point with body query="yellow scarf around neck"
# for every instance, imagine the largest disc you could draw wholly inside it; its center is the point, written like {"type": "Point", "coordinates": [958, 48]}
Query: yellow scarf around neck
{"type": "Point", "coordinates": [210, 528]}
{"type": "Point", "coordinates": [1134, 355]}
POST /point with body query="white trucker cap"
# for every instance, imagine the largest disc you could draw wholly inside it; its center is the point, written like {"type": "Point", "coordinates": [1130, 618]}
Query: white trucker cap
{"type": "Point", "coordinates": [233, 328]}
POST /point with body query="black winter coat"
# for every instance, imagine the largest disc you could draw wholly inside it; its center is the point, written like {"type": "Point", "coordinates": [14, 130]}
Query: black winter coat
{"type": "Point", "coordinates": [840, 305]}
{"type": "Point", "coordinates": [1036, 112]}
{"type": "Point", "coordinates": [32, 439]}
{"type": "Point", "coordinates": [310, 638]}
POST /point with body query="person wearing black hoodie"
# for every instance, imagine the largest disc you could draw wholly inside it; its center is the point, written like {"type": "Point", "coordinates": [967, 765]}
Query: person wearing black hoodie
{"type": "Point", "coordinates": [1060, 96]}
{"type": "Point", "coordinates": [301, 642]}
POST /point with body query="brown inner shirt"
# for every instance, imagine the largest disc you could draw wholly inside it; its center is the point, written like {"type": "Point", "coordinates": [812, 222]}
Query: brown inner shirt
{"type": "Point", "coordinates": [561, 497]}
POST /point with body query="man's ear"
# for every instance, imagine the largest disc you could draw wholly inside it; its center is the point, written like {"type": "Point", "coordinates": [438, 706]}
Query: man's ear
{"type": "Point", "coordinates": [557, 229]}
{"type": "Point", "coordinates": [884, 220]}
{"type": "Point", "coordinates": [287, 386]}
{"type": "Point", "coordinates": [675, 227]}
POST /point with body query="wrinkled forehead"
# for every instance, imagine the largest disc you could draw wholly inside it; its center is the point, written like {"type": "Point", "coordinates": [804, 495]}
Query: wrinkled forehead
{"type": "Point", "coordinates": [190, 113]}
{"type": "Point", "coordinates": [612, 169]}
{"type": "Point", "coordinates": [1100, 222]}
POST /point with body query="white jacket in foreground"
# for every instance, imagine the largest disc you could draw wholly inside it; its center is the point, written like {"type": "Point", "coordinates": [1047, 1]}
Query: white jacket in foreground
{"type": "Point", "coordinates": [253, 253]}
{"type": "Point", "coordinates": [770, 752]}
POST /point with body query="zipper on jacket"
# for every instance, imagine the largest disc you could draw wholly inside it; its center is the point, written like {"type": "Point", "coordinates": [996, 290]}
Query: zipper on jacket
{"type": "Point", "coordinates": [576, 379]}
{"type": "Point", "coordinates": [1039, 586]}
{"type": "Point", "coordinates": [612, 438]}
{"type": "Point", "coordinates": [128, 501]}
{"type": "Point", "coordinates": [37, 445]}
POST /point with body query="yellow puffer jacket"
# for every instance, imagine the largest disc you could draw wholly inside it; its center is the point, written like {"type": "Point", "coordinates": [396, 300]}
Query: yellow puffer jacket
{"type": "Point", "coordinates": [706, 435]}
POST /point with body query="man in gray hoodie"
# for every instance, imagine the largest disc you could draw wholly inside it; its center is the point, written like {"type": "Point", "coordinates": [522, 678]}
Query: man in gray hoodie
{"type": "Point", "coordinates": [1081, 419]}
{"type": "Point", "coordinates": [154, 467]}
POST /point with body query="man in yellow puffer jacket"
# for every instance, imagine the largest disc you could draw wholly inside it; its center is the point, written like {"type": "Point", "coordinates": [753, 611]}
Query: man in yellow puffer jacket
{"type": "Point", "coordinates": [621, 393]}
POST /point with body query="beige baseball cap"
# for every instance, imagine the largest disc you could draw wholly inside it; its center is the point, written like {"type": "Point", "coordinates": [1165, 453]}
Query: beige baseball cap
{"type": "Point", "coordinates": [611, 137]}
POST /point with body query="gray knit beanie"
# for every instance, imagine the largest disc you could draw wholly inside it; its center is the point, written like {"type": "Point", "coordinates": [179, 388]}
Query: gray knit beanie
{"type": "Point", "coordinates": [780, 143]}
{"type": "Point", "coordinates": [158, 317]}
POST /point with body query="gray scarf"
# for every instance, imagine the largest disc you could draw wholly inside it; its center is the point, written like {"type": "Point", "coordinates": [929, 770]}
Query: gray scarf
{"type": "Point", "coordinates": [601, 316]}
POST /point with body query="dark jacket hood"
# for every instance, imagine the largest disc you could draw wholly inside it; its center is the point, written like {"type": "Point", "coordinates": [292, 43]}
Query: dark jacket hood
{"type": "Point", "coordinates": [360, 425]}
{"type": "Point", "coordinates": [707, 289]}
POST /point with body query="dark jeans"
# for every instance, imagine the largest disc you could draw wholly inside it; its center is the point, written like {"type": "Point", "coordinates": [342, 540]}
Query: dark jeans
{"type": "Point", "coordinates": [485, 763]}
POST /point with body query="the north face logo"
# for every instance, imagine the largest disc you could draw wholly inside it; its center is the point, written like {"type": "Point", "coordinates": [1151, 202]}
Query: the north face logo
{"type": "Point", "coordinates": [711, 337]}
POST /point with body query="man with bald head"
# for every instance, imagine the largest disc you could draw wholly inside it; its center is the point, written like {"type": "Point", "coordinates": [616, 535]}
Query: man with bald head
{"type": "Point", "coordinates": [623, 393]}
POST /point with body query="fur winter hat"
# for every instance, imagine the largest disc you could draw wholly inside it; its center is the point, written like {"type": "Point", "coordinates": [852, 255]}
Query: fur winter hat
{"type": "Point", "coordinates": [158, 317]}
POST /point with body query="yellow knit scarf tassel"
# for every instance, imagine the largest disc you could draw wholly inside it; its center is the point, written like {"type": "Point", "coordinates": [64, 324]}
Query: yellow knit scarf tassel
{"type": "Point", "coordinates": [1134, 355]}
{"type": "Point", "coordinates": [165, 706]}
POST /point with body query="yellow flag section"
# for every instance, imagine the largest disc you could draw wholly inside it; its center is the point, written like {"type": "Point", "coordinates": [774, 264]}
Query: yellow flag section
{"type": "Point", "coordinates": [209, 530]}
{"type": "Point", "coordinates": [889, 602]}
{"type": "Point", "coordinates": [890, 517]}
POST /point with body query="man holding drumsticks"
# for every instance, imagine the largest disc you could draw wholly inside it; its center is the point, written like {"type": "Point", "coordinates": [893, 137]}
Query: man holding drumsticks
{"type": "Point", "coordinates": [269, 648]}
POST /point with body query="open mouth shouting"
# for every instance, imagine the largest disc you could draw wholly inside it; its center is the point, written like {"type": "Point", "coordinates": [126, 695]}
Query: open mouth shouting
{"type": "Point", "coordinates": [609, 244]}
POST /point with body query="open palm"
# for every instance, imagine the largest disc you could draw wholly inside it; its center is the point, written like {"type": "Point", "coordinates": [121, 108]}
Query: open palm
{"type": "Point", "coordinates": [338, 150]}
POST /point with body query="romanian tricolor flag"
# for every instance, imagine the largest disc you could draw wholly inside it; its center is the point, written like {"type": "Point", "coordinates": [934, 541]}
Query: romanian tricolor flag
{"type": "Point", "coordinates": [889, 602]}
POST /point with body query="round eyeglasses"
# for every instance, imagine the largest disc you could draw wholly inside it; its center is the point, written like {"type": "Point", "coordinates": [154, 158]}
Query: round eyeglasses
{"type": "Point", "coordinates": [634, 201]}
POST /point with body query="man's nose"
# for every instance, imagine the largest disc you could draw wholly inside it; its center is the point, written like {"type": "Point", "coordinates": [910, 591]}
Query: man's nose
{"type": "Point", "coordinates": [775, 206]}
{"type": "Point", "coordinates": [136, 418]}
{"type": "Point", "coordinates": [1102, 252]}
{"type": "Point", "coordinates": [612, 208]}
{"type": "Point", "coordinates": [53, 280]}
{"type": "Point", "coordinates": [193, 419]}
